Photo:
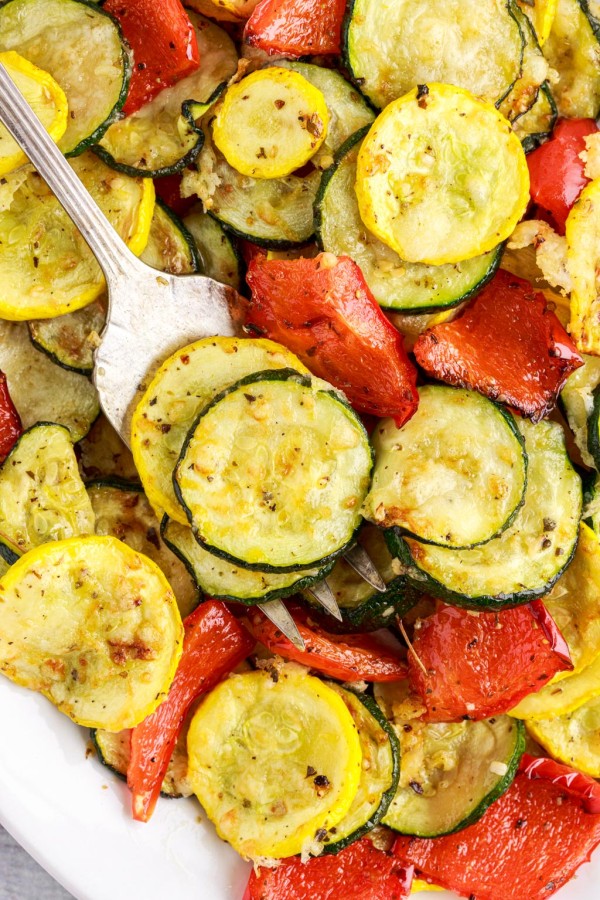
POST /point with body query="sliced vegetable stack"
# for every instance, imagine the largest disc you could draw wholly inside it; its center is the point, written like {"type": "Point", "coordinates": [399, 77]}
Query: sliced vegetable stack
{"type": "Point", "coordinates": [395, 461]}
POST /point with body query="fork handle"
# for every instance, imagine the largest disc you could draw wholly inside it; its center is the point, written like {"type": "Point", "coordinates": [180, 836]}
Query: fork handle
{"type": "Point", "coordinates": [17, 116]}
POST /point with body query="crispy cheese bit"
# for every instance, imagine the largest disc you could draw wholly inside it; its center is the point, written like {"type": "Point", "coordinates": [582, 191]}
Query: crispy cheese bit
{"type": "Point", "coordinates": [550, 251]}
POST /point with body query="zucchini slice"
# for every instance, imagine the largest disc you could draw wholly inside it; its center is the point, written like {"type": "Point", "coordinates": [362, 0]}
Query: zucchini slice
{"type": "Point", "coordinates": [47, 100]}
{"type": "Point", "coordinates": [563, 697]}
{"type": "Point", "coordinates": [573, 50]}
{"type": "Point", "coordinates": [363, 608]}
{"type": "Point", "coordinates": [379, 776]}
{"type": "Point", "coordinates": [51, 34]}
{"type": "Point", "coordinates": [41, 391]}
{"type": "Point", "coordinates": [455, 474]}
{"type": "Point", "coordinates": [278, 212]}
{"type": "Point", "coordinates": [441, 176]}
{"type": "Point", "coordinates": [274, 472]}
{"type": "Point", "coordinates": [391, 45]}
{"type": "Point", "coordinates": [227, 581]}
{"type": "Point", "coordinates": [451, 772]}
{"type": "Point", "coordinates": [94, 627]}
{"type": "Point", "coordinates": [122, 510]}
{"type": "Point", "coordinates": [534, 72]}
{"type": "Point", "coordinates": [162, 137]}
{"type": "Point", "coordinates": [218, 255]}
{"type": "Point", "coordinates": [583, 259]}
{"type": "Point", "coordinates": [270, 123]}
{"type": "Point", "coordinates": [577, 403]}
{"type": "Point", "coordinates": [114, 751]}
{"type": "Point", "coordinates": [181, 388]}
{"type": "Point", "coordinates": [572, 739]}
{"type": "Point", "coordinates": [527, 558]}
{"type": "Point", "coordinates": [4, 566]}
{"type": "Point", "coordinates": [47, 267]}
{"type": "Point", "coordinates": [70, 340]}
{"type": "Point", "coordinates": [395, 283]}
{"type": "Point", "coordinates": [538, 122]}
{"type": "Point", "coordinates": [273, 761]}
{"type": "Point", "coordinates": [42, 497]}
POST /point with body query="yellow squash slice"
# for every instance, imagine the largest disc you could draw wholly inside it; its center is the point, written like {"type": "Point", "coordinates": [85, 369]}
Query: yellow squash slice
{"type": "Point", "coordinates": [541, 13]}
{"type": "Point", "coordinates": [273, 761]}
{"type": "Point", "coordinates": [441, 176]}
{"type": "Point", "coordinates": [47, 100]}
{"type": "Point", "coordinates": [183, 385]}
{"type": "Point", "coordinates": [574, 604]}
{"type": "Point", "coordinates": [271, 123]}
{"type": "Point", "coordinates": [573, 739]}
{"type": "Point", "coordinates": [94, 627]}
{"type": "Point", "coordinates": [47, 268]}
{"type": "Point", "coordinates": [583, 257]}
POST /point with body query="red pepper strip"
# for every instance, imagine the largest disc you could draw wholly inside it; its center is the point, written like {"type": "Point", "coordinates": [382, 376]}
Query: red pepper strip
{"type": "Point", "coordinates": [551, 631]}
{"type": "Point", "coordinates": [576, 783]}
{"type": "Point", "coordinates": [324, 312]}
{"type": "Point", "coordinates": [168, 189]}
{"type": "Point", "coordinates": [214, 644]}
{"type": "Point", "coordinates": [348, 657]}
{"type": "Point", "coordinates": [483, 665]}
{"type": "Point", "coordinates": [164, 45]}
{"type": "Point", "coordinates": [528, 844]}
{"type": "Point", "coordinates": [556, 172]}
{"type": "Point", "coordinates": [10, 423]}
{"type": "Point", "coordinates": [507, 344]}
{"type": "Point", "coordinates": [297, 27]}
{"type": "Point", "coordinates": [360, 872]}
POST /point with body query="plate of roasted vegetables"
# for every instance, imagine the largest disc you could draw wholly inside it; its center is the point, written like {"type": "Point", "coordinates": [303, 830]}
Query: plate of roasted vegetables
{"type": "Point", "coordinates": [325, 623]}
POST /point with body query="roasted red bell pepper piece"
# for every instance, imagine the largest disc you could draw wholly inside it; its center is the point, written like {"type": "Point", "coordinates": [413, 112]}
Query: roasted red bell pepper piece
{"type": "Point", "coordinates": [164, 45]}
{"type": "Point", "coordinates": [575, 783]}
{"type": "Point", "coordinates": [482, 665]}
{"type": "Point", "coordinates": [297, 27]}
{"type": "Point", "coordinates": [168, 189]}
{"type": "Point", "coordinates": [360, 872]}
{"type": "Point", "coordinates": [507, 344]}
{"type": "Point", "coordinates": [348, 657]}
{"type": "Point", "coordinates": [214, 644]}
{"type": "Point", "coordinates": [556, 172]}
{"type": "Point", "coordinates": [528, 844]}
{"type": "Point", "coordinates": [10, 423]}
{"type": "Point", "coordinates": [323, 310]}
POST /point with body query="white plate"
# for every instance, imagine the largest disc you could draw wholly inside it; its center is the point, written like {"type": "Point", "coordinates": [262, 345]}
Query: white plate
{"type": "Point", "coordinates": [73, 816]}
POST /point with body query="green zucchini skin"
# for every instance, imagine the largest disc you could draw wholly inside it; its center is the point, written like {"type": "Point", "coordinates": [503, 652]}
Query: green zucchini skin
{"type": "Point", "coordinates": [385, 297]}
{"type": "Point", "coordinates": [187, 111]}
{"type": "Point", "coordinates": [268, 375]}
{"type": "Point", "coordinates": [593, 429]}
{"type": "Point", "coordinates": [387, 796]}
{"type": "Point", "coordinates": [265, 597]}
{"type": "Point", "coordinates": [126, 57]}
{"type": "Point", "coordinates": [9, 556]}
{"type": "Point", "coordinates": [218, 254]}
{"type": "Point", "coordinates": [531, 141]}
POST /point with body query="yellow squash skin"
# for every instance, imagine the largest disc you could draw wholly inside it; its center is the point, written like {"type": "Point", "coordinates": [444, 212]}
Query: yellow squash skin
{"type": "Point", "coordinates": [441, 176]}
{"type": "Point", "coordinates": [44, 95]}
{"type": "Point", "coordinates": [257, 746]}
{"type": "Point", "coordinates": [94, 627]}
{"type": "Point", "coordinates": [583, 235]}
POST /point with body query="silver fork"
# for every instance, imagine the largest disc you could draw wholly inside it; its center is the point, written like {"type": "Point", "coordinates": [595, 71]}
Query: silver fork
{"type": "Point", "coordinates": [150, 314]}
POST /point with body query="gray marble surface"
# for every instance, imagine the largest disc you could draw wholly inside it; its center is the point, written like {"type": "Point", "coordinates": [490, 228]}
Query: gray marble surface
{"type": "Point", "coordinates": [20, 876]}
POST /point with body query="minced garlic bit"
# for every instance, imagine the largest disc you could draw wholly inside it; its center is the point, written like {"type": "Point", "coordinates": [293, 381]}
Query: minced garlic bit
{"type": "Point", "coordinates": [550, 251]}
{"type": "Point", "coordinates": [591, 155]}
{"type": "Point", "coordinates": [498, 768]}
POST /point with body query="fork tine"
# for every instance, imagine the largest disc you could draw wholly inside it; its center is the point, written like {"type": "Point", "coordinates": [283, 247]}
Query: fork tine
{"type": "Point", "coordinates": [324, 595]}
{"type": "Point", "coordinates": [363, 565]}
{"type": "Point", "coordinates": [277, 613]}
